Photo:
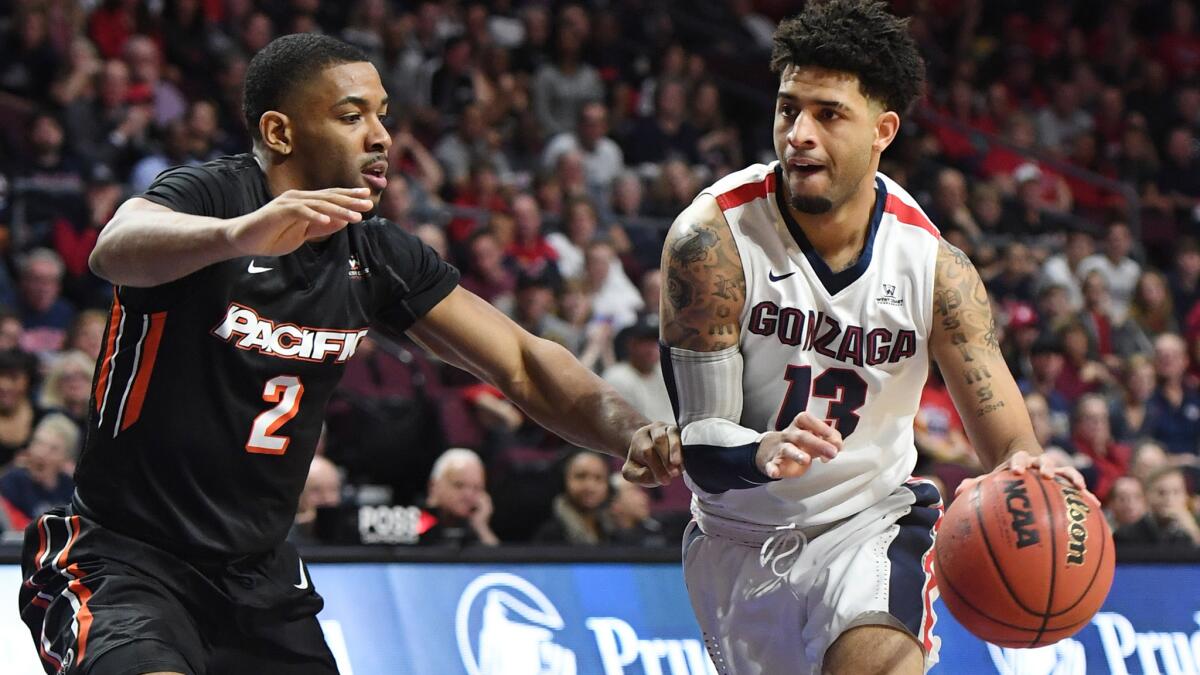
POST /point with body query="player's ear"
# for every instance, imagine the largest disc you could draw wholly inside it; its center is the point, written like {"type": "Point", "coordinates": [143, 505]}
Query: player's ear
{"type": "Point", "coordinates": [887, 125]}
{"type": "Point", "coordinates": [276, 131]}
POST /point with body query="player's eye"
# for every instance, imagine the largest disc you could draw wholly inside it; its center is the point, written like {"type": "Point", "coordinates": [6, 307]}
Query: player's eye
{"type": "Point", "coordinates": [385, 117]}
{"type": "Point", "coordinates": [787, 111]}
{"type": "Point", "coordinates": [827, 114]}
{"type": "Point", "coordinates": [351, 118]}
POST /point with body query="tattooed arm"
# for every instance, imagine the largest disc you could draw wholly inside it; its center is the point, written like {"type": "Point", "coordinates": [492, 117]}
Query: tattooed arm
{"type": "Point", "coordinates": [984, 392]}
{"type": "Point", "coordinates": [701, 319]}
{"type": "Point", "coordinates": [706, 287]}
{"type": "Point", "coordinates": [965, 348]}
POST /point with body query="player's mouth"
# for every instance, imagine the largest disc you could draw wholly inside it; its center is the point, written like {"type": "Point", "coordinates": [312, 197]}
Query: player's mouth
{"type": "Point", "coordinates": [803, 167]}
{"type": "Point", "coordinates": [375, 174]}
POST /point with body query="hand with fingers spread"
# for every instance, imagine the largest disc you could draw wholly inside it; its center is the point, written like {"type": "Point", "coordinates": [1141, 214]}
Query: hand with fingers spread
{"type": "Point", "coordinates": [286, 222]}
{"type": "Point", "coordinates": [1047, 465]}
{"type": "Point", "coordinates": [789, 453]}
{"type": "Point", "coordinates": [655, 455]}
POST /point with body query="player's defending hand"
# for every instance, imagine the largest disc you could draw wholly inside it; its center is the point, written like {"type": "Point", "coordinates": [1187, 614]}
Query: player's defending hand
{"type": "Point", "coordinates": [655, 455]}
{"type": "Point", "coordinates": [789, 453]}
{"type": "Point", "coordinates": [286, 222]}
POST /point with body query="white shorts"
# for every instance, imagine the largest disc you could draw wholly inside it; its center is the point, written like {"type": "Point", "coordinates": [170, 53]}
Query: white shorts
{"type": "Point", "coordinates": [775, 606]}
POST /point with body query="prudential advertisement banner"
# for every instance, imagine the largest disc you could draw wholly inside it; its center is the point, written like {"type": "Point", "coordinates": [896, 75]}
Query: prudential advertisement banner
{"type": "Point", "coordinates": [626, 619]}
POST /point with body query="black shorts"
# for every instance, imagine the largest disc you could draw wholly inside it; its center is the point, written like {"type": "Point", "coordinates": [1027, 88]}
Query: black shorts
{"type": "Point", "coordinates": [100, 603]}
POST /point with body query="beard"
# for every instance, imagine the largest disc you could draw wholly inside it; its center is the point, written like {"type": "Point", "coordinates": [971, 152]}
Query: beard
{"type": "Point", "coordinates": [811, 204]}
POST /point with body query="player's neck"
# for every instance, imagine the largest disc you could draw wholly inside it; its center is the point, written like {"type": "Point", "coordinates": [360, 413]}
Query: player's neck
{"type": "Point", "coordinates": [838, 236]}
{"type": "Point", "coordinates": [281, 176]}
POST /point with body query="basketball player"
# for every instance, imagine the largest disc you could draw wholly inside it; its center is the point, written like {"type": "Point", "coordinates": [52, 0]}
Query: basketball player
{"type": "Point", "coordinates": [804, 301]}
{"type": "Point", "coordinates": [242, 288]}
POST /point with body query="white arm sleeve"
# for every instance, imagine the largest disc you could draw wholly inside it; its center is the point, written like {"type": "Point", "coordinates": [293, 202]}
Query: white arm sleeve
{"type": "Point", "coordinates": [706, 388]}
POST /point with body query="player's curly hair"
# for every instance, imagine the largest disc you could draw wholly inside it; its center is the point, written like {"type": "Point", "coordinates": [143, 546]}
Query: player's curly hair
{"type": "Point", "coordinates": [285, 63]}
{"type": "Point", "coordinates": [860, 37]}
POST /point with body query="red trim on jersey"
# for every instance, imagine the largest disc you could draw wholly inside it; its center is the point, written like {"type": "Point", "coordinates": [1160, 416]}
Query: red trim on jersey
{"type": "Point", "coordinates": [110, 343]}
{"type": "Point", "coordinates": [910, 215]}
{"type": "Point", "coordinates": [746, 193]}
{"type": "Point", "coordinates": [141, 381]}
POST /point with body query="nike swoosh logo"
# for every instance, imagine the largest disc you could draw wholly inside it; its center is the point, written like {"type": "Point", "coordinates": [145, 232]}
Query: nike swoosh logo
{"type": "Point", "coordinates": [303, 575]}
{"type": "Point", "coordinates": [255, 269]}
{"type": "Point", "coordinates": [781, 277]}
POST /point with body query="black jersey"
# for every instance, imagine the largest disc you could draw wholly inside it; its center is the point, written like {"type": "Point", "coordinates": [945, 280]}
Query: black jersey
{"type": "Point", "coordinates": [211, 390]}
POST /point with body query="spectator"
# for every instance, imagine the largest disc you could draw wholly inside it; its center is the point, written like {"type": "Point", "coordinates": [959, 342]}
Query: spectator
{"type": "Point", "coordinates": [1111, 337]}
{"type": "Point", "coordinates": [603, 160]}
{"type": "Point", "coordinates": [949, 203]}
{"type": "Point", "coordinates": [44, 313]}
{"type": "Point", "coordinates": [1151, 307]}
{"type": "Point", "coordinates": [579, 516]}
{"type": "Point", "coordinates": [615, 299]}
{"type": "Point", "coordinates": [627, 196]}
{"type": "Point", "coordinates": [145, 66]}
{"type": "Point", "coordinates": [1020, 334]}
{"type": "Point", "coordinates": [530, 252]}
{"type": "Point", "coordinates": [18, 413]}
{"type": "Point", "coordinates": [322, 489]}
{"type": "Point", "coordinates": [1170, 521]}
{"type": "Point", "coordinates": [1064, 269]}
{"type": "Point", "coordinates": [459, 501]}
{"type": "Point", "coordinates": [44, 480]}
{"type": "Point", "coordinates": [1130, 414]}
{"type": "Point", "coordinates": [638, 377]}
{"type": "Point", "coordinates": [673, 191]}
{"type": "Point", "coordinates": [11, 329]}
{"type": "Point", "coordinates": [1043, 426]}
{"type": "Point", "coordinates": [47, 187]}
{"type": "Point", "coordinates": [86, 333]}
{"type": "Point", "coordinates": [485, 274]}
{"type": "Point", "coordinates": [1174, 407]}
{"type": "Point", "coordinates": [1126, 503]}
{"type": "Point", "coordinates": [561, 88]}
{"type": "Point", "coordinates": [1179, 178]}
{"type": "Point", "coordinates": [1092, 437]}
{"type": "Point", "coordinates": [1081, 374]}
{"type": "Point", "coordinates": [480, 198]}
{"type": "Point", "coordinates": [1046, 364]}
{"type": "Point", "coordinates": [67, 388]}
{"type": "Point", "coordinates": [534, 311]}
{"type": "Point", "coordinates": [114, 125]}
{"type": "Point", "coordinates": [1185, 278]}
{"type": "Point", "coordinates": [579, 230]}
{"type": "Point", "coordinates": [666, 134]}
{"type": "Point", "coordinates": [1060, 123]}
{"type": "Point", "coordinates": [938, 430]}
{"type": "Point", "coordinates": [719, 144]}
{"type": "Point", "coordinates": [174, 152]}
{"type": "Point", "coordinates": [469, 144]}
{"type": "Point", "coordinates": [28, 60]}
{"type": "Point", "coordinates": [452, 81]}
{"type": "Point", "coordinates": [630, 513]}
{"type": "Point", "coordinates": [1116, 266]}
{"type": "Point", "coordinates": [1017, 276]}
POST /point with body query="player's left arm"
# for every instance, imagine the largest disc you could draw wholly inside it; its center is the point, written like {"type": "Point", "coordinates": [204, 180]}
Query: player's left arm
{"type": "Point", "coordinates": [964, 344]}
{"type": "Point", "coordinates": [545, 380]}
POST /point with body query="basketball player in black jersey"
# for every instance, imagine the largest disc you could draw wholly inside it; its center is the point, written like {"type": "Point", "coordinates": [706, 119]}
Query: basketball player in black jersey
{"type": "Point", "coordinates": [242, 287]}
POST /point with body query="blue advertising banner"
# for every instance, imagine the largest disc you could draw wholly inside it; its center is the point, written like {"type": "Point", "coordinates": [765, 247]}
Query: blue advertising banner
{"type": "Point", "coordinates": [635, 619]}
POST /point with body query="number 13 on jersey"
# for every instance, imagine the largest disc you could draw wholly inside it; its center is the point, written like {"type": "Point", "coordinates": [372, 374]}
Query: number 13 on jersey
{"type": "Point", "coordinates": [845, 389]}
{"type": "Point", "coordinates": [285, 392]}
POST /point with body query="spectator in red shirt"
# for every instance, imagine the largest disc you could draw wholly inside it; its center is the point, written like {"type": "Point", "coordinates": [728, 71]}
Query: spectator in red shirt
{"type": "Point", "coordinates": [530, 250]}
{"type": "Point", "coordinates": [1092, 437]}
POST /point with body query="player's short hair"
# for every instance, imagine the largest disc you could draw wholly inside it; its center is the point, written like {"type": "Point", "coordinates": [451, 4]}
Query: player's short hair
{"type": "Point", "coordinates": [283, 64]}
{"type": "Point", "coordinates": [860, 37]}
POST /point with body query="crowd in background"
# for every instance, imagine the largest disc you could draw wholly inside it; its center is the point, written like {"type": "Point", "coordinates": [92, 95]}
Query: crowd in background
{"type": "Point", "coordinates": [544, 147]}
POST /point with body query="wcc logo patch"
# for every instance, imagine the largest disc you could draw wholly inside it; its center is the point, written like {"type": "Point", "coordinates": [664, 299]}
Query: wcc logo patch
{"type": "Point", "coordinates": [889, 296]}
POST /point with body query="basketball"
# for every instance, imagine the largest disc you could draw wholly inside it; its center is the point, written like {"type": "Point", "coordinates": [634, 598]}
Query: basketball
{"type": "Point", "coordinates": [1023, 561]}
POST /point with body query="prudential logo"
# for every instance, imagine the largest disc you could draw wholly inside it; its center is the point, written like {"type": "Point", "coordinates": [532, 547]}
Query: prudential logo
{"type": "Point", "coordinates": [514, 634]}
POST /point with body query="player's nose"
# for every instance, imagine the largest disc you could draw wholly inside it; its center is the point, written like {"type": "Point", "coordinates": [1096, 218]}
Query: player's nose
{"type": "Point", "coordinates": [803, 131]}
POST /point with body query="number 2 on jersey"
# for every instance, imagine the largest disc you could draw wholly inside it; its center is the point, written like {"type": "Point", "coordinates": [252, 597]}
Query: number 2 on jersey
{"type": "Point", "coordinates": [845, 389]}
{"type": "Point", "coordinates": [285, 392]}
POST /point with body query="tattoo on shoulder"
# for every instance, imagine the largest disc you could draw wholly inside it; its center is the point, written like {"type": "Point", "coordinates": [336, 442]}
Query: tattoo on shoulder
{"type": "Point", "coordinates": [704, 291]}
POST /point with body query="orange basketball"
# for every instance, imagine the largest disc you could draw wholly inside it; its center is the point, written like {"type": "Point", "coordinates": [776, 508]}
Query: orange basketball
{"type": "Point", "coordinates": [1023, 561]}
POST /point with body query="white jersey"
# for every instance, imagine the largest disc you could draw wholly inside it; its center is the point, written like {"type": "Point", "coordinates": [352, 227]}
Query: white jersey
{"type": "Point", "coordinates": [850, 347]}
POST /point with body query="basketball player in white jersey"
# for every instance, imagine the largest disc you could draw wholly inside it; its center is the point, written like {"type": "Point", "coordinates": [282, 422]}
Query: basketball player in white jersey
{"type": "Point", "coordinates": [804, 301]}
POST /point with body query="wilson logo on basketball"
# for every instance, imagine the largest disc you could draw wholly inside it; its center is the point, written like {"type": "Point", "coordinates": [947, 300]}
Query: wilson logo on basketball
{"type": "Point", "coordinates": [1016, 500]}
{"type": "Point", "coordinates": [246, 330]}
{"type": "Point", "coordinates": [1077, 512]}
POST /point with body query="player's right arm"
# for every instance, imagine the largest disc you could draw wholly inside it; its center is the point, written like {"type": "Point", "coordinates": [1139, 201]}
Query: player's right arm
{"type": "Point", "coordinates": [147, 244]}
{"type": "Point", "coordinates": [700, 329]}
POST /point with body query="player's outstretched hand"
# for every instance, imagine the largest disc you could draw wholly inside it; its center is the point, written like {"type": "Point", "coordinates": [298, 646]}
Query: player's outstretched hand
{"type": "Point", "coordinates": [286, 222]}
{"type": "Point", "coordinates": [655, 455]}
{"type": "Point", "coordinates": [789, 453]}
{"type": "Point", "coordinates": [1047, 465]}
